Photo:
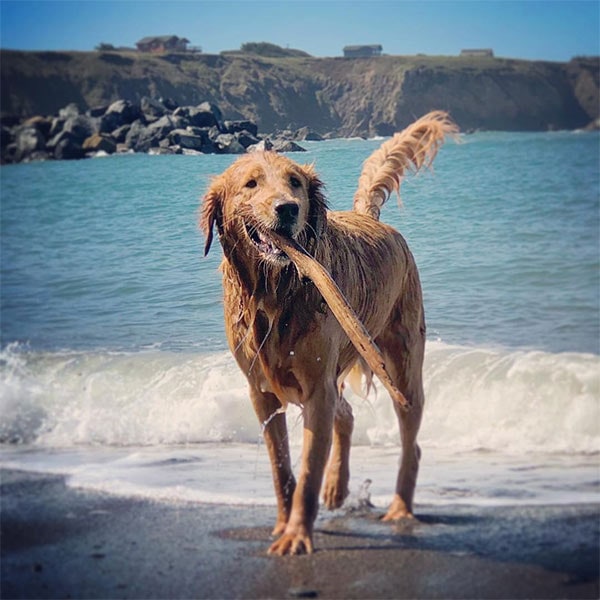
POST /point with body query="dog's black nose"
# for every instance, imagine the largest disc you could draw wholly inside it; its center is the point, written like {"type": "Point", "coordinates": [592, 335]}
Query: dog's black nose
{"type": "Point", "coordinates": [287, 212]}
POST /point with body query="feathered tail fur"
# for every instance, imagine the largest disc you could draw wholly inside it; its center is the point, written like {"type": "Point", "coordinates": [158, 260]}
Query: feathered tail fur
{"type": "Point", "coordinates": [383, 171]}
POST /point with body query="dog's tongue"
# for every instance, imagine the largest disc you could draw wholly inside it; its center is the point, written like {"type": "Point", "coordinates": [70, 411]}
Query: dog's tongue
{"type": "Point", "coordinates": [343, 312]}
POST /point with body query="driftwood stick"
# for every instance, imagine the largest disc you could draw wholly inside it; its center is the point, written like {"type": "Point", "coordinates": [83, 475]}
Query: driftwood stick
{"type": "Point", "coordinates": [343, 312]}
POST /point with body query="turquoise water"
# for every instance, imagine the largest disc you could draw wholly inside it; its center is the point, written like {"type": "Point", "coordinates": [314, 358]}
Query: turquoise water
{"type": "Point", "coordinates": [106, 254]}
{"type": "Point", "coordinates": [114, 367]}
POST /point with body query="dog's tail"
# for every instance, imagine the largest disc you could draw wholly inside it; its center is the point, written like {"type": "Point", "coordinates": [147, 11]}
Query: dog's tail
{"type": "Point", "coordinates": [411, 148]}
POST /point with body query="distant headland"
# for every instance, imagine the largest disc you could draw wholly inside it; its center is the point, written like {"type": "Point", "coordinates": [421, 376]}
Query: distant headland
{"type": "Point", "coordinates": [334, 97]}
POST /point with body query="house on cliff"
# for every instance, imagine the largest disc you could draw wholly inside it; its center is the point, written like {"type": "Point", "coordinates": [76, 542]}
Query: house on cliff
{"type": "Point", "coordinates": [478, 52]}
{"type": "Point", "coordinates": [162, 43]}
{"type": "Point", "coordinates": [362, 51]}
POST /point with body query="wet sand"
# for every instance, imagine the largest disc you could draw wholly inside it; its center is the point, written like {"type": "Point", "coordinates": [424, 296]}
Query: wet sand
{"type": "Point", "coordinates": [59, 542]}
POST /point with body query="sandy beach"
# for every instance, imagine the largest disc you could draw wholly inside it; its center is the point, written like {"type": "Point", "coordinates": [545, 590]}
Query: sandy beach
{"type": "Point", "coordinates": [59, 542]}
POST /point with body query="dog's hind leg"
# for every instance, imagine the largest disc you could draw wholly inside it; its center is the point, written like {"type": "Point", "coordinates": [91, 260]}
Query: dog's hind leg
{"type": "Point", "coordinates": [275, 435]}
{"type": "Point", "coordinates": [338, 472]}
{"type": "Point", "coordinates": [403, 351]}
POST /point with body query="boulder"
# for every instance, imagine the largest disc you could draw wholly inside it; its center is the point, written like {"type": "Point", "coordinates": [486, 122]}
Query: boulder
{"type": "Point", "coordinates": [42, 124]}
{"type": "Point", "coordinates": [80, 127]}
{"type": "Point", "coordinates": [97, 111]}
{"type": "Point", "coordinates": [204, 115]}
{"type": "Point", "coordinates": [262, 146]}
{"type": "Point", "coordinates": [71, 110]}
{"type": "Point", "coordinates": [227, 144]}
{"type": "Point", "coordinates": [307, 134]}
{"type": "Point", "coordinates": [120, 134]}
{"type": "Point", "coordinates": [56, 139]}
{"type": "Point", "coordinates": [152, 108]}
{"type": "Point", "coordinates": [245, 138]}
{"type": "Point", "coordinates": [281, 145]}
{"type": "Point", "coordinates": [121, 112]}
{"type": "Point", "coordinates": [100, 142]}
{"type": "Point", "coordinates": [28, 140]}
{"type": "Point", "coordinates": [187, 140]}
{"type": "Point", "coordinates": [143, 137]}
{"type": "Point", "coordinates": [56, 126]}
{"type": "Point", "coordinates": [169, 103]}
{"type": "Point", "coordinates": [237, 126]}
{"type": "Point", "coordinates": [68, 148]}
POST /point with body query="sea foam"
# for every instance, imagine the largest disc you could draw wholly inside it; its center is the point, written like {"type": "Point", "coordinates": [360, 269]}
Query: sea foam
{"type": "Point", "coordinates": [476, 399]}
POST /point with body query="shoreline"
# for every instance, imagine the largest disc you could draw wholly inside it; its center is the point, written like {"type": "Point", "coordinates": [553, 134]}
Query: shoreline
{"type": "Point", "coordinates": [63, 542]}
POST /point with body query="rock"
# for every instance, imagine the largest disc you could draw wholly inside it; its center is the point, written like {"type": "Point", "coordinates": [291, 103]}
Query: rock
{"type": "Point", "coordinates": [187, 140]}
{"type": "Point", "coordinates": [56, 139]}
{"type": "Point", "coordinates": [203, 115]}
{"type": "Point", "coordinates": [9, 154]}
{"type": "Point", "coordinates": [262, 146]}
{"type": "Point", "coordinates": [227, 144]}
{"type": "Point", "coordinates": [280, 145]}
{"type": "Point", "coordinates": [121, 112]}
{"type": "Point", "coordinates": [80, 127]}
{"type": "Point", "coordinates": [238, 126]}
{"type": "Point", "coordinates": [71, 110]}
{"type": "Point", "coordinates": [28, 140]}
{"type": "Point", "coordinates": [100, 142]}
{"type": "Point", "coordinates": [307, 134]}
{"type": "Point", "coordinates": [152, 108]}
{"type": "Point", "coordinates": [141, 137]}
{"type": "Point", "coordinates": [68, 148]}
{"type": "Point", "coordinates": [120, 134]}
{"type": "Point", "coordinates": [38, 155]}
{"type": "Point", "coordinates": [97, 111]}
{"type": "Point", "coordinates": [56, 126]}
{"type": "Point", "coordinates": [166, 150]}
{"type": "Point", "coordinates": [188, 152]}
{"type": "Point", "coordinates": [42, 124]}
{"type": "Point", "coordinates": [169, 103]}
{"type": "Point", "coordinates": [246, 139]}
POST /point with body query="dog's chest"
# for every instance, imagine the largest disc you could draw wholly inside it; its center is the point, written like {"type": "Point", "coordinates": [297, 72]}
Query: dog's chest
{"type": "Point", "coordinates": [282, 349]}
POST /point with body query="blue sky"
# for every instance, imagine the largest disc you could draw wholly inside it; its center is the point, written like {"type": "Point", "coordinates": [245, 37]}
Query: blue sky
{"type": "Point", "coordinates": [547, 30]}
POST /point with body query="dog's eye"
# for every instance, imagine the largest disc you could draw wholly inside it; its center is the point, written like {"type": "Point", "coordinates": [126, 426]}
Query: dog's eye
{"type": "Point", "coordinates": [295, 182]}
{"type": "Point", "coordinates": [251, 183]}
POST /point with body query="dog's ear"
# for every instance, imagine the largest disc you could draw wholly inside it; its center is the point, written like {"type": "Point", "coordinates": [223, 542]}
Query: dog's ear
{"type": "Point", "coordinates": [317, 216]}
{"type": "Point", "coordinates": [212, 212]}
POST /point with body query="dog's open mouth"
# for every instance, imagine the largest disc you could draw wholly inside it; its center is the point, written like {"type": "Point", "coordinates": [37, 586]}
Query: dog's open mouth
{"type": "Point", "coordinates": [265, 245]}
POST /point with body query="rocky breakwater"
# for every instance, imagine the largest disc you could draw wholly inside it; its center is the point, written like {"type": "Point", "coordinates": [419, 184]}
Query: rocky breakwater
{"type": "Point", "coordinates": [151, 126]}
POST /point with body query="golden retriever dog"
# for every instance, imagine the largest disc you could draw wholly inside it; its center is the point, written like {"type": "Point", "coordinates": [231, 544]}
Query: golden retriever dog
{"type": "Point", "coordinates": [284, 337]}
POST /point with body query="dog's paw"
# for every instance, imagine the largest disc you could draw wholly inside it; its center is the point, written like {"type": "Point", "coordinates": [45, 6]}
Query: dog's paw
{"type": "Point", "coordinates": [398, 510]}
{"type": "Point", "coordinates": [334, 493]}
{"type": "Point", "coordinates": [279, 528]}
{"type": "Point", "coordinates": [292, 543]}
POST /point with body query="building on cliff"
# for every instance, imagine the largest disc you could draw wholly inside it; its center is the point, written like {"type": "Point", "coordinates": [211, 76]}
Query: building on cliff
{"type": "Point", "coordinates": [477, 52]}
{"type": "Point", "coordinates": [162, 43]}
{"type": "Point", "coordinates": [362, 51]}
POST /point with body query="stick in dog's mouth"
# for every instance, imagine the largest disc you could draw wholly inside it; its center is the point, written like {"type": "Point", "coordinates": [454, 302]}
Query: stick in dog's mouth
{"type": "Point", "coordinates": [343, 312]}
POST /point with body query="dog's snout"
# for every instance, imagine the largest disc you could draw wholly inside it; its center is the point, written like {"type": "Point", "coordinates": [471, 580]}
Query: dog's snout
{"type": "Point", "coordinates": [287, 212]}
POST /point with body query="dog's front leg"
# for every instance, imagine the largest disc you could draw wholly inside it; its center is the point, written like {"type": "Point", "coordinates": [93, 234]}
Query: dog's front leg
{"type": "Point", "coordinates": [266, 406]}
{"type": "Point", "coordinates": [318, 423]}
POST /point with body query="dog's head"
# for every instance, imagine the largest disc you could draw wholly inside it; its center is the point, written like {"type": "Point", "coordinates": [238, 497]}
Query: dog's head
{"type": "Point", "coordinates": [261, 193]}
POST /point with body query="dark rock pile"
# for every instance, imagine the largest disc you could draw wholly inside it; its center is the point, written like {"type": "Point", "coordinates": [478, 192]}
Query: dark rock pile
{"type": "Point", "coordinates": [153, 126]}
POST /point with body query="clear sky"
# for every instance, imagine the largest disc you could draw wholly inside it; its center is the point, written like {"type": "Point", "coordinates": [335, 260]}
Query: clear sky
{"type": "Point", "coordinates": [547, 30]}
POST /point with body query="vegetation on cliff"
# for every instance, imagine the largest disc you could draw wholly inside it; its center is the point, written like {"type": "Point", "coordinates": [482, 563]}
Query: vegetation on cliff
{"type": "Point", "coordinates": [339, 96]}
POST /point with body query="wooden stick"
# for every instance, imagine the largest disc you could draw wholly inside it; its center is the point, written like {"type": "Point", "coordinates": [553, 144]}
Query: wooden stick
{"type": "Point", "coordinates": [343, 312]}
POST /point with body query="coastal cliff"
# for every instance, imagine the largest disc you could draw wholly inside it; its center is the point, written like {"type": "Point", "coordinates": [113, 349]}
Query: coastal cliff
{"type": "Point", "coordinates": [336, 96]}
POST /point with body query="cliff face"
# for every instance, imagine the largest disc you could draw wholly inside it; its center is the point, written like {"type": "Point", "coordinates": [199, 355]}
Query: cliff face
{"type": "Point", "coordinates": [346, 97]}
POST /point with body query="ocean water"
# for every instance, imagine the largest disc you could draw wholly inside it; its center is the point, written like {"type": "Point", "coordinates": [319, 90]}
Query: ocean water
{"type": "Point", "coordinates": [114, 367]}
